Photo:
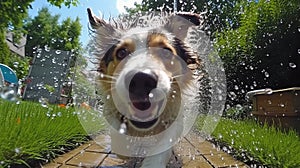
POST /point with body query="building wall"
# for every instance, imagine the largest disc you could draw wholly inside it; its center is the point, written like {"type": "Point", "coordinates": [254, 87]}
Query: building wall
{"type": "Point", "coordinates": [18, 48]}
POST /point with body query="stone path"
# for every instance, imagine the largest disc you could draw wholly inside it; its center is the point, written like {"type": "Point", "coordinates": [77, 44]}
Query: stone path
{"type": "Point", "coordinates": [191, 152]}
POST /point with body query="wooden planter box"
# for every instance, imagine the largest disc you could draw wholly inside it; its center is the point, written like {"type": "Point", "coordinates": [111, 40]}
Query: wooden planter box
{"type": "Point", "coordinates": [278, 107]}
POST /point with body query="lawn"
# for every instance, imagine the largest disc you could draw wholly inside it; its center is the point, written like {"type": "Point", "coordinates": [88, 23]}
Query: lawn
{"type": "Point", "coordinates": [256, 144]}
{"type": "Point", "coordinates": [33, 133]}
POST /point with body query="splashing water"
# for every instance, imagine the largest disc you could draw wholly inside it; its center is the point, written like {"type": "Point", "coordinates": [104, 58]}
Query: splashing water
{"type": "Point", "coordinates": [8, 93]}
{"type": "Point", "coordinates": [43, 102]}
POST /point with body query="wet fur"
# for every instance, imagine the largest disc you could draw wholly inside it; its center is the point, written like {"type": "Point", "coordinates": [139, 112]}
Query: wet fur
{"type": "Point", "coordinates": [108, 37]}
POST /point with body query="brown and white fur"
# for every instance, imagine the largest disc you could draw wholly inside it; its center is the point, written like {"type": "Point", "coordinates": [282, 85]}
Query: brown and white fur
{"type": "Point", "coordinates": [131, 63]}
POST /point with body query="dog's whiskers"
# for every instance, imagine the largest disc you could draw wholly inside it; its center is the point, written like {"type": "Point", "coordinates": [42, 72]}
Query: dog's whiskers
{"type": "Point", "coordinates": [177, 76]}
{"type": "Point", "coordinates": [106, 81]}
{"type": "Point", "coordinates": [102, 75]}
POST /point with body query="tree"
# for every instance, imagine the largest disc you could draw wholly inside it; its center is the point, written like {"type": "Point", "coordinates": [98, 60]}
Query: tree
{"type": "Point", "coordinates": [264, 50]}
{"type": "Point", "coordinates": [13, 13]}
{"type": "Point", "coordinates": [219, 14]}
{"type": "Point", "coordinates": [44, 30]}
{"type": "Point", "coordinates": [258, 40]}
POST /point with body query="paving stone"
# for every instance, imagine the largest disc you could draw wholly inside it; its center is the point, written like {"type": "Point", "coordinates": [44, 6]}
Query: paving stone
{"type": "Point", "coordinates": [184, 149]}
{"type": "Point", "coordinates": [104, 142]}
{"type": "Point", "coordinates": [87, 159]}
{"type": "Point", "coordinates": [97, 148]}
{"type": "Point", "coordinates": [202, 145]}
{"type": "Point", "coordinates": [207, 148]}
{"type": "Point", "coordinates": [67, 156]}
{"type": "Point", "coordinates": [112, 160]}
{"type": "Point", "coordinates": [223, 160]}
{"type": "Point", "coordinates": [196, 161]}
{"type": "Point", "coordinates": [68, 166]}
{"type": "Point", "coordinates": [190, 152]}
{"type": "Point", "coordinates": [52, 165]}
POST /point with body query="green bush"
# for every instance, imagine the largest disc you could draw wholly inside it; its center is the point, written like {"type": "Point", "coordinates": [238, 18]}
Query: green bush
{"type": "Point", "coordinates": [263, 52]}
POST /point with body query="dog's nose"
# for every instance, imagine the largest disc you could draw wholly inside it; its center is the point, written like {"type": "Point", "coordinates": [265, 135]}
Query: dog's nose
{"type": "Point", "coordinates": [140, 86]}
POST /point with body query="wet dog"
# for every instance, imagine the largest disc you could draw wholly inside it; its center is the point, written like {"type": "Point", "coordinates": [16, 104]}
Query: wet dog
{"type": "Point", "coordinates": [147, 75]}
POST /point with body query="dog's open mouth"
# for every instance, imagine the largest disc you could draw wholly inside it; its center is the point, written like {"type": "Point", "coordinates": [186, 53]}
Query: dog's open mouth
{"type": "Point", "coordinates": [144, 125]}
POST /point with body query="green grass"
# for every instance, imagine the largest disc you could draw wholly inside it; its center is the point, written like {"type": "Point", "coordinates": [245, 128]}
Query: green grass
{"type": "Point", "coordinates": [252, 142]}
{"type": "Point", "coordinates": [30, 132]}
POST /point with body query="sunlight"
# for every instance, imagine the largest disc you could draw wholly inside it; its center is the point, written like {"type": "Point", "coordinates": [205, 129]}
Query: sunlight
{"type": "Point", "coordinates": [128, 3]}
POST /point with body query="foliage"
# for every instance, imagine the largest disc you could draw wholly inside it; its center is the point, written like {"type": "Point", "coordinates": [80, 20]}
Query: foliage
{"type": "Point", "coordinates": [18, 64]}
{"type": "Point", "coordinates": [31, 132]}
{"type": "Point", "coordinates": [238, 112]}
{"type": "Point", "coordinates": [13, 13]}
{"type": "Point", "coordinates": [45, 30]}
{"type": "Point", "coordinates": [67, 3]}
{"type": "Point", "coordinates": [252, 143]}
{"type": "Point", "coordinates": [218, 14]}
{"type": "Point", "coordinates": [5, 52]}
{"type": "Point", "coordinates": [258, 40]}
{"type": "Point", "coordinates": [263, 51]}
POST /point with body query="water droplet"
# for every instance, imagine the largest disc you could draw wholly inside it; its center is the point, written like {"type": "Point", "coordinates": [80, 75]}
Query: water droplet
{"type": "Point", "coordinates": [269, 102]}
{"type": "Point", "coordinates": [54, 61]}
{"type": "Point", "coordinates": [17, 150]}
{"type": "Point", "coordinates": [58, 52]}
{"type": "Point", "coordinates": [267, 74]}
{"type": "Point", "coordinates": [268, 91]}
{"type": "Point", "coordinates": [108, 97]}
{"type": "Point", "coordinates": [101, 75]}
{"type": "Point", "coordinates": [292, 65]}
{"type": "Point", "coordinates": [47, 48]}
{"type": "Point", "coordinates": [80, 164]}
{"type": "Point", "coordinates": [151, 95]}
{"type": "Point", "coordinates": [8, 93]}
{"type": "Point", "coordinates": [16, 64]}
{"type": "Point", "coordinates": [43, 102]}
{"type": "Point", "coordinates": [123, 128]}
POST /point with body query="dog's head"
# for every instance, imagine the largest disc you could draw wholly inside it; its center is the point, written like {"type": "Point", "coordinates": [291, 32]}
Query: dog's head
{"type": "Point", "coordinates": [145, 69]}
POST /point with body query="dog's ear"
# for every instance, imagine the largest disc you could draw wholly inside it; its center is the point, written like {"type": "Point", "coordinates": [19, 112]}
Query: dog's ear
{"type": "Point", "coordinates": [98, 23]}
{"type": "Point", "coordinates": [94, 20]}
{"type": "Point", "coordinates": [103, 39]}
{"type": "Point", "coordinates": [180, 23]}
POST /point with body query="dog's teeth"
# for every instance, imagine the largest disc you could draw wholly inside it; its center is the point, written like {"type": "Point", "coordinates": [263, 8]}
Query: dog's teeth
{"type": "Point", "coordinates": [123, 128]}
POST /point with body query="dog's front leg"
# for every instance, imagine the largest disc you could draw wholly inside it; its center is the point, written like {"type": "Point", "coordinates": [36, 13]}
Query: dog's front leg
{"type": "Point", "coordinates": [157, 161]}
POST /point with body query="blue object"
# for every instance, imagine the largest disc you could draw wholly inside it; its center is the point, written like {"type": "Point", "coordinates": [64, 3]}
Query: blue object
{"type": "Point", "coordinates": [8, 74]}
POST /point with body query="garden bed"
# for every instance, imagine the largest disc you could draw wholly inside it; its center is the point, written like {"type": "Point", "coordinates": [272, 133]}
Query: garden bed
{"type": "Point", "coordinates": [278, 107]}
{"type": "Point", "coordinates": [32, 134]}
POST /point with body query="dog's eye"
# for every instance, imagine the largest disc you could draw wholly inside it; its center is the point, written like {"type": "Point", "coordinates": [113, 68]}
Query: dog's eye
{"type": "Point", "coordinates": [169, 49]}
{"type": "Point", "coordinates": [122, 53]}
